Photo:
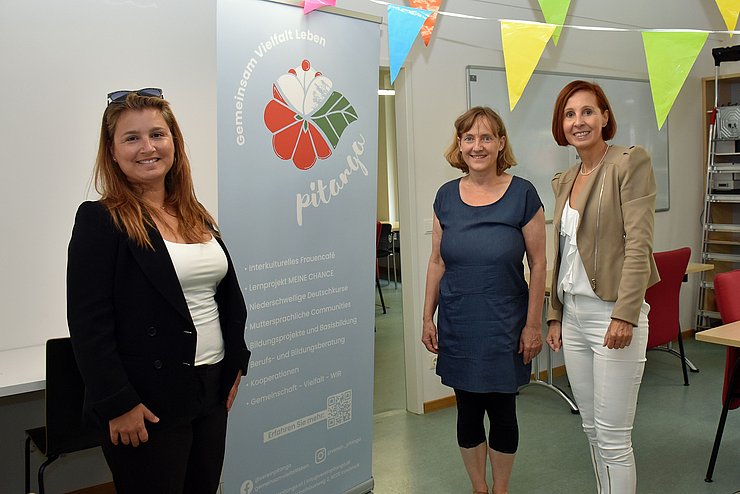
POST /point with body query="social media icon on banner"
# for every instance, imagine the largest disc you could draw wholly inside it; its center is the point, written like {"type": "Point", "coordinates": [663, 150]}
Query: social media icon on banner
{"type": "Point", "coordinates": [247, 487]}
{"type": "Point", "coordinates": [320, 455]}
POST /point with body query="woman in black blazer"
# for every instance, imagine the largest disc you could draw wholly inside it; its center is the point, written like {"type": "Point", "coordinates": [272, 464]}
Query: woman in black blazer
{"type": "Point", "coordinates": [154, 308]}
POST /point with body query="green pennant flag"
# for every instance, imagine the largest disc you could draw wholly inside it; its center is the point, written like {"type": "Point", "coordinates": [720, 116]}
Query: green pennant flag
{"type": "Point", "coordinates": [670, 56]}
{"type": "Point", "coordinates": [555, 12]}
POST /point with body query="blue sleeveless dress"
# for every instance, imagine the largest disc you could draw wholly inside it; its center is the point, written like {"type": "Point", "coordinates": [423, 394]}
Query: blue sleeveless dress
{"type": "Point", "coordinates": [483, 296]}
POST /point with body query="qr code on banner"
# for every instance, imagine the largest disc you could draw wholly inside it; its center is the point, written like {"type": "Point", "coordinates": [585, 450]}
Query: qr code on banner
{"type": "Point", "coordinates": [339, 409]}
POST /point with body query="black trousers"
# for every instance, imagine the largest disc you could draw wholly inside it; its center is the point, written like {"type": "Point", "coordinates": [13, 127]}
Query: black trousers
{"type": "Point", "coordinates": [186, 457]}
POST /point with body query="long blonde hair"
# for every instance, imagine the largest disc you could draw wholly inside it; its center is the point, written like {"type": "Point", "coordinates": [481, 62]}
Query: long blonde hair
{"type": "Point", "coordinates": [130, 213]}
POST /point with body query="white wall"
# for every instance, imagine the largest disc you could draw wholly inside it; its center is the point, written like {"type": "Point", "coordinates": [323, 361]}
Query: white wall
{"type": "Point", "coordinates": [61, 58]}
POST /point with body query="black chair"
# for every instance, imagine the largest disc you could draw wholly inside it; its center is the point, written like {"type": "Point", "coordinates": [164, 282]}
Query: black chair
{"type": "Point", "coordinates": [383, 249]}
{"type": "Point", "coordinates": [65, 431]}
{"type": "Point", "coordinates": [396, 237]}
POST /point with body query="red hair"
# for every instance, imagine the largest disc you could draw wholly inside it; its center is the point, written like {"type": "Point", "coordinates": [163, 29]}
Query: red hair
{"type": "Point", "coordinates": [569, 90]}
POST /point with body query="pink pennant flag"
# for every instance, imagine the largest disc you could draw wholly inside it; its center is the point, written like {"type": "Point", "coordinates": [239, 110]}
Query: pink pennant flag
{"type": "Point", "coordinates": [311, 5]}
{"type": "Point", "coordinates": [428, 27]}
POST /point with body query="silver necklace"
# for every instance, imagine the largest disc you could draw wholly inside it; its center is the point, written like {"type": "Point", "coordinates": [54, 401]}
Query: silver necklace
{"type": "Point", "coordinates": [597, 165]}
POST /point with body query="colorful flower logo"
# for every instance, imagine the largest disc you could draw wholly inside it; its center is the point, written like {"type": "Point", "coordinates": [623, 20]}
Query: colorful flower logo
{"type": "Point", "coordinates": [305, 116]}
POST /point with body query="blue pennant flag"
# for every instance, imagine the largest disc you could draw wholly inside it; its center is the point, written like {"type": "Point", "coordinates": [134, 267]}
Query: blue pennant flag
{"type": "Point", "coordinates": [404, 24]}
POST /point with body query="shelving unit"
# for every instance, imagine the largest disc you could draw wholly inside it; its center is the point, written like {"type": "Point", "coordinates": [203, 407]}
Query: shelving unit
{"type": "Point", "coordinates": [721, 215]}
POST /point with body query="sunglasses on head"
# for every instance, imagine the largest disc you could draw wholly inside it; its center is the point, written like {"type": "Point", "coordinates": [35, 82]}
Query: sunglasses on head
{"type": "Point", "coordinates": [120, 96]}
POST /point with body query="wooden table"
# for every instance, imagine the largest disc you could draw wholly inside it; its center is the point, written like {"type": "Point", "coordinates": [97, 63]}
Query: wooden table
{"type": "Point", "coordinates": [727, 334]}
{"type": "Point", "coordinates": [698, 267]}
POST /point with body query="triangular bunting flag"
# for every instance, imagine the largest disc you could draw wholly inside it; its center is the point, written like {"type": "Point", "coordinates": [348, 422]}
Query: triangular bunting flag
{"type": "Point", "coordinates": [311, 5]}
{"type": "Point", "coordinates": [555, 12]}
{"type": "Point", "coordinates": [729, 10]}
{"type": "Point", "coordinates": [428, 27]}
{"type": "Point", "coordinates": [670, 56]}
{"type": "Point", "coordinates": [404, 24]}
{"type": "Point", "coordinates": [523, 44]}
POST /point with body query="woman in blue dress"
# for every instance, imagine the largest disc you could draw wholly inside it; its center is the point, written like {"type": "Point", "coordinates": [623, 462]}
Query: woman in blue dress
{"type": "Point", "coordinates": [488, 323]}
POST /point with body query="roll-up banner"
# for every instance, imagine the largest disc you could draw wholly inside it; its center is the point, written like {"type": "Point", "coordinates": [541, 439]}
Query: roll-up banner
{"type": "Point", "coordinates": [297, 172]}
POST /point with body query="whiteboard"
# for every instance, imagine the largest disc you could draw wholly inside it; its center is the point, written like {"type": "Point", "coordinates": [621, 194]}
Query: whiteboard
{"type": "Point", "coordinates": [530, 124]}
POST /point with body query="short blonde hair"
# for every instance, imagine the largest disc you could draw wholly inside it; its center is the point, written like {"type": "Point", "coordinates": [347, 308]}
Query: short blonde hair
{"type": "Point", "coordinates": [464, 123]}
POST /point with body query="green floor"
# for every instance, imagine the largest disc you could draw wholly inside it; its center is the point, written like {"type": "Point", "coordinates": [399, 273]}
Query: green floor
{"type": "Point", "coordinates": [673, 435]}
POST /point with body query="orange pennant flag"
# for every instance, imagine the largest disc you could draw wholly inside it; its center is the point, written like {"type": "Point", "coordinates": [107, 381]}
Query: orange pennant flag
{"type": "Point", "coordinates": [428, 27]}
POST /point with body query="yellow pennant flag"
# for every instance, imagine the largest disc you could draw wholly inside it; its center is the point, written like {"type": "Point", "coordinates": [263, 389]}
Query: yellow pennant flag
{"type": "Point", "coordinates": [729, 10]}
{"type": "Point", "coordinates": [555, 12]}
{"type": "Point", "coordinates": [523, 44]}
{"type": "Point", "coordinates": [670, 56]}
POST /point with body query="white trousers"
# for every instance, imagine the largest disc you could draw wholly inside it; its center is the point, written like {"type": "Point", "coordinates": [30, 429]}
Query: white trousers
{"type": "Point", "coordinates": [605, 384]}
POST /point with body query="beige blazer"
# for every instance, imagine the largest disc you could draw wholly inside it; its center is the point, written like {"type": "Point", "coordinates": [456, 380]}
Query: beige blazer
{"type": "Point", "coordinates": [615, 233]}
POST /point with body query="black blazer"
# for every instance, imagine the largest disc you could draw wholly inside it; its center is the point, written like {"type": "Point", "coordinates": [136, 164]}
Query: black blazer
{"type": "Point", "coordinates": [131, 330]}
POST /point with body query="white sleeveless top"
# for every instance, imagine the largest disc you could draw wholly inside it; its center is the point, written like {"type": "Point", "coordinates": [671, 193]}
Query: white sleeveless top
{"type": "Point", "coordinates": [200, 268]}
{"type": "Point", "coordinates": [572, 276]}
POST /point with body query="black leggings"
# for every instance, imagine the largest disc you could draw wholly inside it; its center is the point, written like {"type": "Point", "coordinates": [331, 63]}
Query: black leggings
{"type": "Point", "coordinates": [503, 428]}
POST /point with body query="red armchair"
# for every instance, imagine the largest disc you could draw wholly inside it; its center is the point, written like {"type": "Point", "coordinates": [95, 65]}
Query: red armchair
{"type": "Point", "coordinates": [663, 298]}
{"type": "Point", "coordinates": [727, 294]}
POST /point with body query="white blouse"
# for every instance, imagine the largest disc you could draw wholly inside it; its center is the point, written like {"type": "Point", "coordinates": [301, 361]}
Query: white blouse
{"type": "Point", "coordinates": [200, 268]}
{"type": "Point", "coordinates": [572, 276]}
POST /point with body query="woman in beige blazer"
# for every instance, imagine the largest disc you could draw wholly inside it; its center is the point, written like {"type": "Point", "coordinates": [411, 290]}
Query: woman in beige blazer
{"type": "Point", "coordinates": [603, 222]}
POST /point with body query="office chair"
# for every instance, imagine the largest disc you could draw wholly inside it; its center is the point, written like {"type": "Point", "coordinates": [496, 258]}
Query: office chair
{"type": "Point", "coordinates": [663, 297]}
{"type": "Point", "coordinates": [64, 431]}
{"type": "Point", "coordinates": [383, 249]}
{"type": "Point", "coordinates": [396, 237]}
{"type": "Point", "coordinates": [726, 290]}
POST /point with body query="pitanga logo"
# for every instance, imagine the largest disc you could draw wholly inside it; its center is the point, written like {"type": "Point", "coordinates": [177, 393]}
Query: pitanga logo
{"type": "Point", "coordinates": [306, 117]}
